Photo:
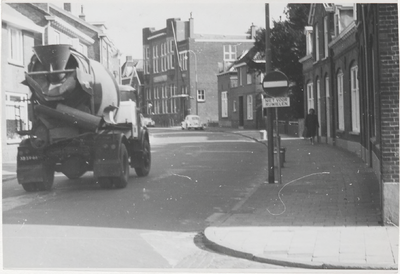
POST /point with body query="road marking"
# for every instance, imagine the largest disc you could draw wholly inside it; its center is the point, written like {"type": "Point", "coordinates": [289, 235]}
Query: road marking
{"type": "Point", "coordinates": [225, 151]}
{"type": "Point", "coordinates": [13, 202]}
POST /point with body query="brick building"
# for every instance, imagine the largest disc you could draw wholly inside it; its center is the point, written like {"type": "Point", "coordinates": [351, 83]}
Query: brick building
{"type": "Point", "coordinates": [180, 69]}
{"type": "Point", "coordinates": [351, 80]}
{"type": "Point", "coordinates": [25, 25]}
{"type": "Point", "coordinates": [240, 92]}
{"type": "Point", "coordinates": [379, 82]}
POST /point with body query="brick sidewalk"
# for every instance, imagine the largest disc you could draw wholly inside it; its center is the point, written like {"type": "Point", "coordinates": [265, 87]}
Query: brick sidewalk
{"type": "Point", "coordinates": [326, 213]}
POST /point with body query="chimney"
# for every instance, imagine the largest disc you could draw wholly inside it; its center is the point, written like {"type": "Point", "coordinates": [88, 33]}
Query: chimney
{"type": "Point", "coordinates": [252, 31]}
{"type": "Point", "coordinates": [67, 7]}
{"type": "Point", "coordinates": [191, 26]}
{"type": "Point", "coordinates": [82, 15]}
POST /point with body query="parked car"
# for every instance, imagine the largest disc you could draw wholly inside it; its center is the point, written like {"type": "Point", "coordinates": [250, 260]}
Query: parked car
{"type": "Point", "coordinates": [192, 121]}
{"type": "Point", "coordinates": [149, 122]}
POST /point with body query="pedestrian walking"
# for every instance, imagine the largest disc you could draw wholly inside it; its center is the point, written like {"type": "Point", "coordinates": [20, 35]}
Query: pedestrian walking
{"type": "Point", "coordinates": [311, 125]}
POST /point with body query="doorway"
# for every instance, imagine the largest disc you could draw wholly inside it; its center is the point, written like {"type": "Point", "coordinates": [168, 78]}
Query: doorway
{"type": "Point", "coordinates": [241, 112]}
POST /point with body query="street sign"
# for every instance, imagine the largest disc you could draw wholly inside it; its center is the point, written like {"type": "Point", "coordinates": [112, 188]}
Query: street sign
{"type": "Point", "coordinates": [276, 102]}
{"type": "Point", "coordinates": [276, 84]}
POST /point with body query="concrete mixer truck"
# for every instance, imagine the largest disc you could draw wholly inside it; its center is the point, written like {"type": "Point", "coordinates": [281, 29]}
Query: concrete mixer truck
{"type": "Point", "coordinates": [81, 120]}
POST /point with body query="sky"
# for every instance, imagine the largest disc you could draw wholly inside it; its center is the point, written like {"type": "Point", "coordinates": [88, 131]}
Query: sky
{"type": "Point", "coordinates": [125, 19]}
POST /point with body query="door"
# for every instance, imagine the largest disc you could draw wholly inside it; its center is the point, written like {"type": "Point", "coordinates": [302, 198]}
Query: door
{"type": "Point", "coordinates": [241, 112]}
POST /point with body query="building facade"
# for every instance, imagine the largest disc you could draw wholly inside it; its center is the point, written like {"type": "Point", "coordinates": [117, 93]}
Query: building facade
{"type": "Point", "coordinates": [180, 69]}
{"type": "Point", "coordinates": [351, 80]}
{"type": "Point", "coordinates": [378, 37]}
{"type": "Point", "coordinates": [240, 93]}
{"type": "Point", "coordinates": [19, 35]}
{"type": "Point", "coordinates": [25, 25]}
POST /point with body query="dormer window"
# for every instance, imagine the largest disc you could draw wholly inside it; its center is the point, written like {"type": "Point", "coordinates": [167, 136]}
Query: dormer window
{"type": "Point", "coordinates": [343, 17]}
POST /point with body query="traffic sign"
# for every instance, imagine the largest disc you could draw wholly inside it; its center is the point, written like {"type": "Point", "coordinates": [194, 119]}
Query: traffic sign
{"type": "Point", "coordinates": [276, 84]}
{"type": "Point", "coordinates": [276, 102]}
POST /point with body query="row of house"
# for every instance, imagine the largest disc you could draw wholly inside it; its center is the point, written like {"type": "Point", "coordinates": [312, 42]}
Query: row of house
{"type": "Point", "coordinates": [25, 25]}
{"type": "Point", "coordinates": [351, 74]}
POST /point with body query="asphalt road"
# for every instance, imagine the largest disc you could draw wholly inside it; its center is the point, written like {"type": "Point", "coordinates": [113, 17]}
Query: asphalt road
{"type": "Point", "coordinates": [197, 177]}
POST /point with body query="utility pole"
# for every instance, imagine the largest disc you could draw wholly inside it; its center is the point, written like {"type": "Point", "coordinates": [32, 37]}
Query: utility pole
{"type": "Point", "coordinates": [270, 120]}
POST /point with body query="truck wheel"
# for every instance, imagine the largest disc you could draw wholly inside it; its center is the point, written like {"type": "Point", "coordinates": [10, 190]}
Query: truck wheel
{"type": "Point", "coordinates": [122, 181]}
{"type": "Point", "coordinates": [29, 187]}
{"type": "Point", "coordinates": [75, 176]}
{"type": "Point", "coordinates": [105, 182]}
{"type": "Point", "coordinates": [144, 169]}
{"type": "Point", "coordinates": [47, 177]}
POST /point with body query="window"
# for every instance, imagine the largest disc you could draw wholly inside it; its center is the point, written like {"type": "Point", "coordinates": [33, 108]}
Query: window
{"type": "Point", "coordinates": [340, 100]}
{"type": "Point", "coordinates": [82, 49]}
{"type": "Point", "coordinates": [201, 96]}
{"type": "Point", "coordinates": [172, 61]}
{"type": "Point", "coordinates": [168, 60]}
{"type": "Point", "coordinates": [229, 53]}
{"type": "Point", "coordinates": [249, 78]}
{"type": "Point", "coordinates": [155, 51]}
{"type": "Point", "coordinates": [57, 38]}
{"type": "Point", "coordinates": [310, 96]}
{"type": "Point", "coordinates": [234, 106]}
{"type": "Point", "coordinates": [183, 60]}
{"type": "Point", "coordinates": [328, 107]}
{"type": "Point", "coordinates": [234, 82]}
{"type": "Point", "coordinates": [174, 100]}
{"type": "Point", "coordinates": [355, 100]}
{"type": "Point", "coordinates": [16, 115]}
{"type": "Point", "coordinates": [336, 22]}
{"type": "Point", "coordinates": [240, 76]}
{"type": "Point", "coordinates": [316, 43]}
{"type": "Point", "coordinates": [309, 42]}
{"type": "Point", "coordinates": [249, 107]}
{"type": "Point", "coordinates": [326, 37]}
{"type": "Point", "coordinates": [15, 47]}
{"type": "Point", "coordinates": [224, 104]}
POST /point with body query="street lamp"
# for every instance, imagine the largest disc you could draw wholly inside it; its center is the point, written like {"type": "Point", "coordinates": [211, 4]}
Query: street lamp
{"type": "Point", "coordinates": [195, 73]}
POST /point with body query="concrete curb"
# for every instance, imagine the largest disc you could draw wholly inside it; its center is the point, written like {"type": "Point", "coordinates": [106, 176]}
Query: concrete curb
{"type": "Point", "coordinates": [248, 256]}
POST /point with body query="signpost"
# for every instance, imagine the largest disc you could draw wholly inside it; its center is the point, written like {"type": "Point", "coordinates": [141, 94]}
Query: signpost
{"type": "Point", "coordinates": [275, 85]}
{"type": "Point", "coordinates": [276, 102]}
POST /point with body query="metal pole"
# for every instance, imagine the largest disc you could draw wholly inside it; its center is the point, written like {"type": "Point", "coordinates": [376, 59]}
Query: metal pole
{"type": "Point", "coordinates": [270, 121]}
{"type": "Point", "coordinates": [195, 74]}
{"type": "Point", "coordinates": [278, 147]}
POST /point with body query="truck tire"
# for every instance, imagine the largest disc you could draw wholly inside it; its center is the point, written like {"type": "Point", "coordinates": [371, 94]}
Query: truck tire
{"type": "Point", "coordinates": [122, 181]}
{"type": "Point", "coordinates": [105, 182]}
{"type": "Point", "coordinates": [47, 177]}
{"type": "Point", "coordinates": [29, 187]}
{"type": "Point", "coordinates": [144, 168]}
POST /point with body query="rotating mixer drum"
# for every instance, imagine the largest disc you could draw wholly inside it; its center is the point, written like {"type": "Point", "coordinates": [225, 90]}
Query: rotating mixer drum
{"type": "Point", "coordinates": [60, 74]}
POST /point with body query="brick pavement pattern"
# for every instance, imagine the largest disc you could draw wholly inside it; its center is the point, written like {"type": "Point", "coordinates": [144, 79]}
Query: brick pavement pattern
{"type": "Point", "coordinates": [324, 214]}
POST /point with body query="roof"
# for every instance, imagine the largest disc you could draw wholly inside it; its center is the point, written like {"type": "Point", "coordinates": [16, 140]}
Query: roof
{"type": "Point", "coordinates": [252, 58]}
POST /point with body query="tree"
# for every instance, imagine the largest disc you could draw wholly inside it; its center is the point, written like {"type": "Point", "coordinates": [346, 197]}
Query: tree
{"type": "Point", "coordinates": [288, 45]}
